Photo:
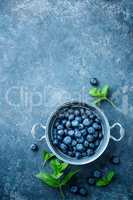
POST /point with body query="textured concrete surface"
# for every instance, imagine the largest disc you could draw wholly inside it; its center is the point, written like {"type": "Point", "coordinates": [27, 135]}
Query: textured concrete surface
{"type": "Point", "coordinates": [48, 51]}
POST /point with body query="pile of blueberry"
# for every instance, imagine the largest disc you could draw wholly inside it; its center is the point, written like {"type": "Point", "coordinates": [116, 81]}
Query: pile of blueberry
{"type": "Point", "coordinates": [77, 132]}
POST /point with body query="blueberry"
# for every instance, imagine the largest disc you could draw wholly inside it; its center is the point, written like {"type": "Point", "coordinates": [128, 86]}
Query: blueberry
{"type": "Point", "coordinates": [59, 137]}
{"type": "Point", "coordinates": [68, 124]}
{"type": "Point", "coordinates": [86, 143]}
{"type": "Point", "coordinates": [95, 126]}
{"type": "Point", "coordinates": [77, 155]}
{"type": "Point", "coordinates": [79, 119]}
{"type": "Point", "coordinates": [97, 143]}
{"type": "Point", "coordinates": [80, 140]}
{"type": "Point", "coordinates": [83, 191]}
{"type": "Point", "coordinates": [71, 133]}
{"type": "Point", "coordinates": [79, 147]}
{"type": "Point", "coordinates": [77, 134]}
{"type": "Point", "coordinates": [97, 174]}
{"type": "Point", "coordinates": [64, 121]}
{"type": "Point", "coordinates": [88, 112]}
{"type": "Point", "coordinates": [81, 126]}
{"type": "Point", "coordinates": [67, 140]}
{"type": "Point", "coordinates": [90, 152]}
{"type": "Point", "coordinates": [71, 117]}
{"type": "Point", "coordinates": [91, 130]}
{"type": "Point", "coordinates": [100, 136]}
{"type": "Point", "coordinates": [84, 154]}
{"type": "Point", "coordinates": [86, 122]}
{"type": "Point", "coordinates": [95, 135]}
{"type": "Point", "coordinates": [74, 189]}
{"type": "Point", "coordinates": [55, 142]}
{"type": "Point", "coordinates": [61, 132]}
{"type": "Point", "coordinates": [83, 132]}
{"type": "Point", "coordinates": [115, 160]}
{"type": "Point", "coordinates": [34, 147]}
{"type": "Point", "coordinates": [63, 146]}
{"type": "Point", "coordinates": [74, 142]}
{"type": "Point", "coordinates": [61, 115]}
{"type": "Point", "coordinates": [65, 131]}
{"type": "Point", "coordinates": [91, 145]}
{"type": "Point", "coordinates": [97, 120]}
{"type": "Point", "coordinates": [84, 116]}
{"type": "Point", "coordinates": [90, 138]}
{"type": "Point", "coordinates": [66, 114]}
{"type": "Point", "coordinates": [70, 111]}
{"type": "Point", "coordinates": [91, 181]}
{"type": "Point", "coordinates": [76, 112]}
{"type": "Point", "coordinates": [75, 123]}
{"type": "Point", "coordinates": [59, 127]}
{"type": "Point", "coordinates": [70, 153]}
{"type": "Point", "coordinates": [92, 116]}
{"type": "Point", "coordinates": [57, 123]}
{"type": "Point", "coordinates": [94, 81]}
{"type": "Point", "coordinates": [82, 111]}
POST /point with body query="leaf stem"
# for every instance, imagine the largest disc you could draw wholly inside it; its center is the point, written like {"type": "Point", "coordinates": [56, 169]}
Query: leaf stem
{"type": "Point", "coordinates": [61, 192]}
{"type": "Point", "coordinates": [109, 101]}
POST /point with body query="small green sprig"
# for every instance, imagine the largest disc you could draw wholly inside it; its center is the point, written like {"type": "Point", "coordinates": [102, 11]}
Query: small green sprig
{"type": "Point", "coordinates": [106, 180]}
{"type": "Point", "coordinates": [101, 94]}
{"type": "Point", "coordinates": [59, 177]}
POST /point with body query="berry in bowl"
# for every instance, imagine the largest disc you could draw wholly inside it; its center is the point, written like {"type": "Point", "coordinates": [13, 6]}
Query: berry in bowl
{"type": "Point", "coordinates": [78, 133]}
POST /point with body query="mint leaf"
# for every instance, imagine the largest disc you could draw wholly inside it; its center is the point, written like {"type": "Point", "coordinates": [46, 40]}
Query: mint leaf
{"type": "Point", "coordinates": [95, 92]}
{"type": "Point", "coordinates": [68, 177]}
{"type": "Point", "coordinates": [105, 91]}
{"type": "Point", "coordinates": [48, 179]}
{"type": "Point", "coordinates": [58, 167]}
{"type": "Point", "coordinates": [106, 180]}
{"type": "Point", "coordinates": [47, 156]}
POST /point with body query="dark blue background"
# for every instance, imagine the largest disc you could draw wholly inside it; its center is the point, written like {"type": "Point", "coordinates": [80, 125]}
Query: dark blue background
{"type": "Point", "coordinates": [49, 49]}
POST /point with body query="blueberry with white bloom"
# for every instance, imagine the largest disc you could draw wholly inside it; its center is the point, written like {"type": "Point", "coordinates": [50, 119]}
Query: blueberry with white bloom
{"type": "Point", "coordinates": [75, 123]}
{"type": "Point", "coordinates": [90, 152]}
{"type": "Point", "coordinates": [91, 145]}
{"type": "Point", "coordinates": [79, 147]}
{"type": "Point", "coordinates": [80, 140]}
{"type": "Point", "coordinates": [76, 112]}
{"type": "Point", "coordinates": [68, 124]}
{"type": "Point", "coordinates": [67, 140]}
{"type": "Point", "coordinates": [91, 130]}
{"type": "Point", "coordinates": [63, 146]}
{"type": "Point", "coordinates": [71, 133]}
{"type": "Point", "coordinates": [61, 132]}
{"type": "Point", "coordinates": [81, 126]}
{"type": "Point", "coordinates": [86, 122]}
{"type": "Point", "coordinates": [71, 117]}
{"type": "Point", "coordinates": [74, 142]}
{"type": "Point", "coordinates": [90, 138]}
{"type": "Point", "coordinates": [77, 134]}
{"type": "Point", "coordinates": [59, 127]}
{"type": "Point", "coordinates": [79, 119]}
{"type": "Point", "coordinates": [86, 143]}
{"type": "Point", "coordinates": [77, 155]}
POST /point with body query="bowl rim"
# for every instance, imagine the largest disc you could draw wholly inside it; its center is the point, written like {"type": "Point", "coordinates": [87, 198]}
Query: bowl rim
{"type": "Point", "coordinates": [78, 161]}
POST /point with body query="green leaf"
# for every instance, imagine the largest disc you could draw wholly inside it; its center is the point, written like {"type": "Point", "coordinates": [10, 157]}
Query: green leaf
{"type": "Point", "coordinates": [106, 180]}
{"type": "Point", "coordinates": [105, 91]}
{"type": "Point", "coordinates": [47, 156]}
{"type": "Point", "coordinates": [68, 177]}
{"type": "Point", "coordinates": [48, 179]}
{"type": "Point", "coordinates": [95, 92]}
{"type": "Point", "coordinates": [58, 167]}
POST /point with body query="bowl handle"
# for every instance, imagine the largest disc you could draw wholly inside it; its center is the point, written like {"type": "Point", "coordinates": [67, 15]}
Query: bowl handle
{"type": "Point", "coordinates": [122, 132]}
{"type": "Point", "coordinates": [33, 131]}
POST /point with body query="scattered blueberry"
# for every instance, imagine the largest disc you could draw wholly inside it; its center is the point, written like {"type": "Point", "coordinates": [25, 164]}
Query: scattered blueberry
{"type": "Point", "coordinates": [67, 140]}
{"type": "Point", "coordinates": [34, 147]}
{"type": "Point", "coordinates": [97, 174]}
{"type": "Point", "coordinates": [74, 189]}
{"type": "Point", "coordinates": [94, 81]}
{"type": "Point", "coordinates": [91, 181]}
{"type": "Point", "coordinates": [83, 191]}
{"type": "Point", "coordinates": [115, 160]}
